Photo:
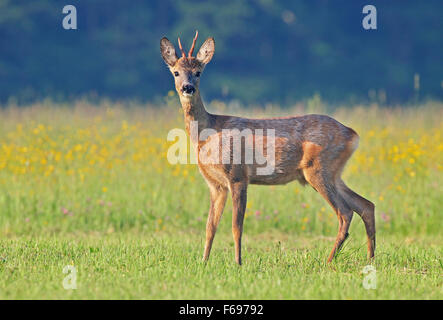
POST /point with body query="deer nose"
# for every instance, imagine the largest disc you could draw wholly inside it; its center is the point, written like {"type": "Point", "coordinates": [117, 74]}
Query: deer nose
{"type": "Point", "coordinates": [189, 89]}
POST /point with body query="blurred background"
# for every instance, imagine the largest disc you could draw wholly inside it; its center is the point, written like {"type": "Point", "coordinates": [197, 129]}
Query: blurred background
{"type": "Point", "coordinates": [266, 50]}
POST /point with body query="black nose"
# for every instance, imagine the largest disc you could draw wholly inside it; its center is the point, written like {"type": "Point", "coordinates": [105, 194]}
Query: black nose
{"type": "Point", "coordinates": [188, 88]}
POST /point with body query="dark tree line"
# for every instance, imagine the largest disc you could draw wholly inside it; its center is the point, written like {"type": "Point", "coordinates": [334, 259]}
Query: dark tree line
{"type": "Point", "coordinates": [266, 50]}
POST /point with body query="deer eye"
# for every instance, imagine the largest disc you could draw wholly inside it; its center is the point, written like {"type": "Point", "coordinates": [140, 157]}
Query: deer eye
{"type": "Point", "coordinates": [176, 73]}
{"type": "Point", "coordinates": [197, 74]}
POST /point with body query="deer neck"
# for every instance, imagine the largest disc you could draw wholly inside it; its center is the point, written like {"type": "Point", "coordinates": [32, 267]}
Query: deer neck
{"type": "Point", "coordinates": [196, 116]}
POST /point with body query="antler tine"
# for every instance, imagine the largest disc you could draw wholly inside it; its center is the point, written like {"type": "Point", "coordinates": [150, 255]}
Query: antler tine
{"type": "Point", "coordinates": [181, 48]}
{"type": "Point", "coordinates": [193, 44]}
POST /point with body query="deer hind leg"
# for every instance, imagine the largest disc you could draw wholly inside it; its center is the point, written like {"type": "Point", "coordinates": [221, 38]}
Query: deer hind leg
{"type": "Point", "coordinates": [365, 210]}
{"type": "Point", "coordinates": [218, 201]}
{"type": "Point", "coordinates": [327, 188]}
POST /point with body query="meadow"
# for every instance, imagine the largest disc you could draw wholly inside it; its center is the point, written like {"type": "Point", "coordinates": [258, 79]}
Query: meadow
{"type": "Point", "coordinates": [89, 185]}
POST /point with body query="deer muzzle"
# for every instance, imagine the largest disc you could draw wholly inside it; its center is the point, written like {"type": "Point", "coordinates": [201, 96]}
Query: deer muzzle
{"type": "Point", "coordinates": [188, 90]}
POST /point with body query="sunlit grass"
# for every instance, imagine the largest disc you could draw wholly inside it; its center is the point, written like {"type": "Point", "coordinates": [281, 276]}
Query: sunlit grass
{"type": "Point", "coordinates": [81, 176]}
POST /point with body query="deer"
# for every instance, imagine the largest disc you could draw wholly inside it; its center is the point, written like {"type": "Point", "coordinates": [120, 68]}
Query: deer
{"type": "Point", "coordinates": [311, 149]}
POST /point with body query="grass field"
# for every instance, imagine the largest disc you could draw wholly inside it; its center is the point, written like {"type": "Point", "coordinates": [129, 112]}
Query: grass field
{"type": "Point", "coordinates": [90, 186]}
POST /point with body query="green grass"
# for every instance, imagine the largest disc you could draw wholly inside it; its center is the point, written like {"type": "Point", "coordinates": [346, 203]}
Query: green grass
{"type": "Point", "coordinates": [168, 266]}
{"type": "Point", "coordinates": [91, 187]}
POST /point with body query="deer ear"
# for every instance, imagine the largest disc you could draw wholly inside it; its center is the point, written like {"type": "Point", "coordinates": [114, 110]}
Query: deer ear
{"type": "Point", "coordinates": [168, 52]}
{"type": "Point", "coordinates": [206, 51]}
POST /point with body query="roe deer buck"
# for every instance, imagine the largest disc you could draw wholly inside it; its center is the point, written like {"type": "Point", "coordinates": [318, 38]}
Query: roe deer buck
{"type": "Point", "coordinates": [311, 149]}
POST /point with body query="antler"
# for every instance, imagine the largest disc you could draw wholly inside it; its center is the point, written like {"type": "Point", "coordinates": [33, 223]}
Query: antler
{"type": "Point", "coordinates": [193, 44]}
{"type": "Point", "coordinates": [181, 48]}
{"type": "Point", "coordinates": [192, 48]}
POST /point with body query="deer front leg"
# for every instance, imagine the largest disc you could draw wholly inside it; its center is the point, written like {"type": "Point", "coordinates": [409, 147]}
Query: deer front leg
{"type": "Point", "coordinates": [239, 198]}
{"type": "Point", "coordinates": [218, 200]}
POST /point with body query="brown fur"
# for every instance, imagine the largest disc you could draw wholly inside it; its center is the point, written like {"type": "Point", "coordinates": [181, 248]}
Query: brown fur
{"type": "Point", "coordinates": [310, 149]}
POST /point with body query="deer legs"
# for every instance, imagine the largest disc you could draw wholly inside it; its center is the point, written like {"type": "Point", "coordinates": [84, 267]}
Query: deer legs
{"type": "Point", "coordinates": [343, 200]}
{"type": "Point", "coordinates": [365, 209]}
{"type": "Point", "coordinates": [239, 198]}
{"type": "Point", "coordinates": [329, 191]}
{"type": "Point", "coordinates": [218, 200]}
{"type": "Point", "coordinates": [345, 218]}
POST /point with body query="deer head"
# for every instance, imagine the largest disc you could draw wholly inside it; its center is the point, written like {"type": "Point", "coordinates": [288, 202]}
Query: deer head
{"type": "Point", "coordinates": [187, 69]}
